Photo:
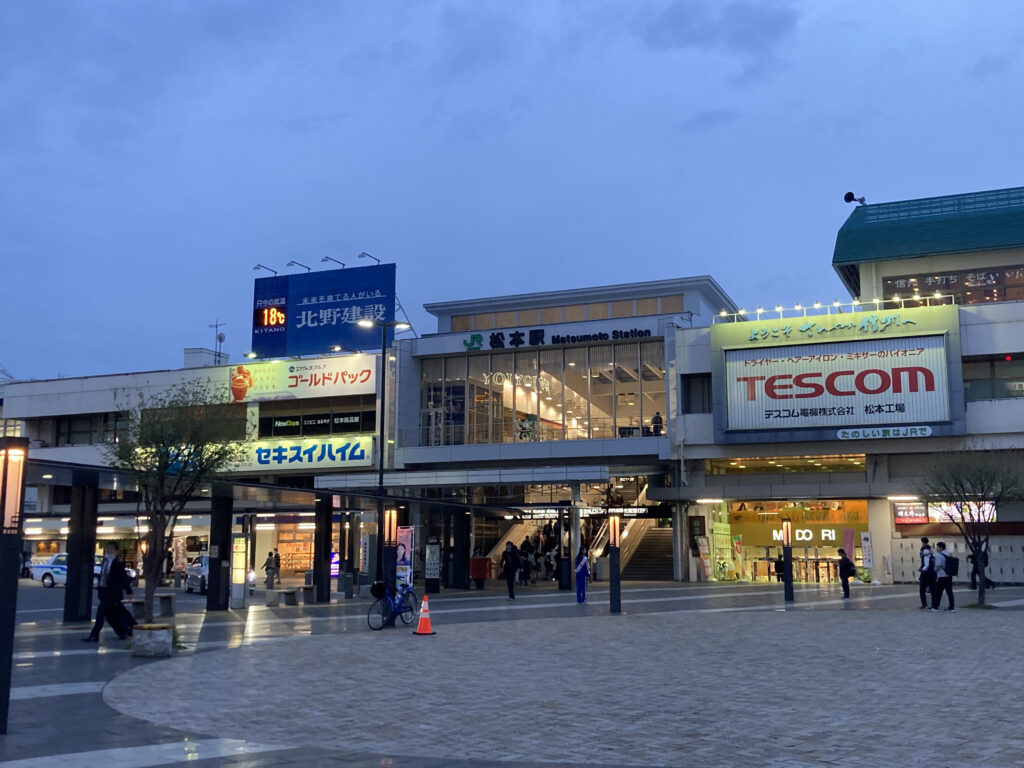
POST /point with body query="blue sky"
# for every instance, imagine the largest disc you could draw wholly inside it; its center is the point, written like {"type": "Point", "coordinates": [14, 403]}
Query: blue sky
{"type": "Point", "coordinates": [152, 153]}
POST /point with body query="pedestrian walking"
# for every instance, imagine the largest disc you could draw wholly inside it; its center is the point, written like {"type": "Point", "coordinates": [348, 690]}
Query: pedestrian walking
{"type": "Point", "coordinates": [847, 570]}
{"type": "Point", "coordinates": [269, 568]}
{"type": "Point", "coordinates": [277, 565]}
{"type": "Point", "coordinates": [926, 571]}
{"type": "Point", "coordinates": [943, 580]}
{"type": "Point", "coordinates": [510, 565]}
{"type": "Point", "coordinates": [582, 574]}
{"type": "Point", "coordinates": [113, 584]}
{"type": "Point", "coordinates": [780, 568]}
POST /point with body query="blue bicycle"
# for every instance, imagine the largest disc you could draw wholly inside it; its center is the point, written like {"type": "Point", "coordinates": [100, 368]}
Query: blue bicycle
{"type": "Point", "coordinates": [391, 603]}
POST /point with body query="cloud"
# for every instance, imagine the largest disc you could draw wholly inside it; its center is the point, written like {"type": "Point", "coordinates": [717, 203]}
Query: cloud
{"type": "Point", "coordinates": [708, 119]}
{"type": "Point", "coordinates": [986, 67]}
{"type": "Point", "coordinates": [744, 28]}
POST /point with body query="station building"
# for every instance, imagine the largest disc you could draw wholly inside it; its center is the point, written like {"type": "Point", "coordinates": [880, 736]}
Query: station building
{"type": "Point", "coordinates": [704, 423]}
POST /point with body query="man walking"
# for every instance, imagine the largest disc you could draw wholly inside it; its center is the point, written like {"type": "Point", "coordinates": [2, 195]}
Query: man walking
{"type": "Point", "coordinates": [927, 572]}
{"type": "Point", "coordinates": [277, 565]}
{"type": "Point", "coordinates": [943, 580]}
{"type": "Point", "coordinates": [510, 563]}
{"type": "Point", "coordinates": [114, 582]}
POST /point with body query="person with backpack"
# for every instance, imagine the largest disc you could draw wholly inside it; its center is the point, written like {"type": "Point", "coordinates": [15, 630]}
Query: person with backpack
{"type": "Point", "coordinates": [927, 571]}
{"type": "Point", "coordinates": [847, 570]}
{"type": "Point", "coordinates": [946, 567]}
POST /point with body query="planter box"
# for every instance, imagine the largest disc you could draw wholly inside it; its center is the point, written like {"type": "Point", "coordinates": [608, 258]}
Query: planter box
{"type": "Point", "coordinates": [153, 640]}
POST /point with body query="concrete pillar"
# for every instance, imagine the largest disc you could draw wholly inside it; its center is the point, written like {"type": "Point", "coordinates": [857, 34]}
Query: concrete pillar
{"type": "Point", "coordinates": [218, 585]}
{"type": "Point", "coordinates": [880, 525]}
{"type": "Point", "coordinates": [81, 545]}
{"type": "Point", "coordinates": [324, 513]}
{"type": "Point", "coordinates": [574, 540]}
{"type": "Point", "coordinates": [461, 523]}
{"type": "Point", "coordinates": [680, 550]}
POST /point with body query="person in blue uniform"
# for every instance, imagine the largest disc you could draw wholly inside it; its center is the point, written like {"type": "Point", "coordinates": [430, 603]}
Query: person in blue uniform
{"type": "Point", "coordinates": [582, 574]}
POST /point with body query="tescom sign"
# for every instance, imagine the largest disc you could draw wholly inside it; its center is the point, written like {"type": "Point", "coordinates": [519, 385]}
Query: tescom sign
{"type": "Point", "coordinates": [877, 382]}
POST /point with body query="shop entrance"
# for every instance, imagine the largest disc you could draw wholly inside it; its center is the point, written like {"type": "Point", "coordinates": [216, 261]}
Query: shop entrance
{"type": "Point", "coordinates": [746, 538]}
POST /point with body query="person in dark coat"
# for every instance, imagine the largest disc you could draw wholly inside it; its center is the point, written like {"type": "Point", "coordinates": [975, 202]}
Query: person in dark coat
{"type": "Point", "coordinates": [510, 565]}
{"type": "Point", "coordinates": [847, 570]}
{"type": "Point", "coordinates": [582, 574]}
{"type": "Point", "coordinates": [780, 568]}
{"type": "Point", "coordinates": [927, 571]}
{"type": "Point", "coordinates": [114, 583]}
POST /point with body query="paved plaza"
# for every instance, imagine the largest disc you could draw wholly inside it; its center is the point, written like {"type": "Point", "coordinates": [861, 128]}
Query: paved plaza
{"type": "Point", "coordinates": [688, 676]}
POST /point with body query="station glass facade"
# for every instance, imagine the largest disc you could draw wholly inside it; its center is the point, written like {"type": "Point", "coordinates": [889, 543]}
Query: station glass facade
{"type": "Point", "coordinates": [572, 393]}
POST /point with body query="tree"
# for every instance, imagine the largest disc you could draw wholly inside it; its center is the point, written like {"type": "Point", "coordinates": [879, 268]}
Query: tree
{"type": "Point", "coordinates": [173, 443]}
{"type": "Point", "coordinates": [970, 485]}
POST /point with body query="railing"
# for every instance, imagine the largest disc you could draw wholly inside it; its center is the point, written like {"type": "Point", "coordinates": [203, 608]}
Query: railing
{"type": "Point", "coordinates": [632, 535]}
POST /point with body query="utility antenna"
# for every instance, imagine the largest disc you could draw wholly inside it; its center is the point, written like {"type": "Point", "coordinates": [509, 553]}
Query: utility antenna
{"type": "Point", "coordinates": [220, 337]}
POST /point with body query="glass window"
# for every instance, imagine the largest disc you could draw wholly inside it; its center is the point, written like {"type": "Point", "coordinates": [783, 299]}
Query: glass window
{"type": "Point", "coordinates": [551, 315]}
{"type": "Point", "coordinates": [505, 320]}
{"type": "Point", "coordinates": [529, 316]}
{"type": "Point", "coordinates": [597, 311]}
{"type": "Point", "coordinates": [671, 304]}
{"type": "Point", "coordinates": [431, 400]}
{"type": "Point", "coordinates": [461, 323]}
{"type": "Point", "coordinates": [652, 384]}
{"type": "Point", "coordinates": [576, 393]}
{"type": "Point", "coordinates": [575, 313]}
{"type": "Point", "coordinates": [622, 308]}
{"type": "Point", "coordinates": [454, 400]}
{"type": "Point", "coordinates": [978, 370]}
{"type": "Point", "coordinates": [481, 402]}
{"type": "Point", "coordinates": [627, 392]}
{"type": "Point", "coordinates": [646, 307]}
{"type": "Point", "coordinates": [602, 392]}
{"type": "Point", "coordinates": [483, 322]}
{"type": "Point", "coordinates": [695, 393]}
{"type": "Point", "coordinates": [502, 377]}
{"type": "Point", "coordinates": [525, 387]}
{"type": "Point", "coordinates": [550, 394]}
{"type": "Point", "coordinates": [1009, 369]}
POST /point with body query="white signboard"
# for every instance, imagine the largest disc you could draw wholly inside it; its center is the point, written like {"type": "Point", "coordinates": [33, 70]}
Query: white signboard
{"type": "Point", "coordinates": [432, 563]}
{"type": "Point", "coordinates": [305, 454]}
{"type": "Point", "coordinates": [286, 380]}
{"type": "Point", "coordinates": [873, 383]}
{"type": "Point", "coordinates": [867, 554]}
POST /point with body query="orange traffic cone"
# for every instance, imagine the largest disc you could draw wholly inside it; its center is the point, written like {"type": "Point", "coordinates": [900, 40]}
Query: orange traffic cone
{"type": "Point", "coordinates": [423, 628]}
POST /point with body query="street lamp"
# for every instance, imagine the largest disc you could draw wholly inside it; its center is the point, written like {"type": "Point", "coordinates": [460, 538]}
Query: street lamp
{"type": "Point", "coordinates": [325, 259]}
{"type": "Point", "coordinates": [787, 559]}
{"type": "Point", "coordinates": [13, 457]}
{"type": "Point", "coordinates": [614, 580]}
{"type": "Point", "coordinates": [298, 264]}
{"type": "Point", "coordinates": [260, 266]}
{"type": "Point", "coordinates": [365, 255]}
{"type": "Point", "coordinates": [398, 326]}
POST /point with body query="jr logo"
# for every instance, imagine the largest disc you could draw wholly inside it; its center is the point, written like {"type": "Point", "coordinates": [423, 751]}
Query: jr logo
{"type": "Point", "coordinates": [476, 341]}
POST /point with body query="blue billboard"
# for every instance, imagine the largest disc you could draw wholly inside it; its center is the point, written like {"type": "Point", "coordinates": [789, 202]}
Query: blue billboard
{"type": "Point", "coordinates": [309, 314]}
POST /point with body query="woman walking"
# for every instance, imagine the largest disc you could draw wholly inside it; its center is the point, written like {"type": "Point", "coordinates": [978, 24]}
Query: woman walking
{"type": "Point", "coordinates": [270, 568]}
{"type": "Point", "coordinates": [582, 574]}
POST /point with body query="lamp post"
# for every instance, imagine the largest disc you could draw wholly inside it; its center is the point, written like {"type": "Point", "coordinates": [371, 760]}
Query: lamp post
{"type": "Point", "coordinates": [614, 581]}
{"type": "Point", "coordinates": [13, 458]}
{"type": "Point", "coordinates": [398, 326]}
{"type": "Point", "coordinates": [787, 559]}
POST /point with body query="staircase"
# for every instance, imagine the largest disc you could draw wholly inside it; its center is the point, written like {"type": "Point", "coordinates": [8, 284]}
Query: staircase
{"type": "Point", "coordinates": [652, 560]}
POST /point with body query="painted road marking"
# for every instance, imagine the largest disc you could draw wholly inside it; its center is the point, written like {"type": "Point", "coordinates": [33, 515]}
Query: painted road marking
{"type": "Point", "coordinates": [57, 689]}
{"type": "Point", "coordinates": [187, 750]}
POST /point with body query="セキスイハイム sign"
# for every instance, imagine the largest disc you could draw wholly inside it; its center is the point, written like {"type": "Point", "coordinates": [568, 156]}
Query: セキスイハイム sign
{"type": "Point", "coordinates": [880, 381]}
{"type": "Point", "coordinates": [307, 454]}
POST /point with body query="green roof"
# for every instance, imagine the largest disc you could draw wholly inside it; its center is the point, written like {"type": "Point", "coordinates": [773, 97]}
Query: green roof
{"type": "Point", "coordinates": [979, 221]}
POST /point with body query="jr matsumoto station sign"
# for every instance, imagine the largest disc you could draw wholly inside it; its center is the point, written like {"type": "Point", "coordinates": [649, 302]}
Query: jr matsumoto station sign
{"type": "Point", "coordinates": [895, 372]}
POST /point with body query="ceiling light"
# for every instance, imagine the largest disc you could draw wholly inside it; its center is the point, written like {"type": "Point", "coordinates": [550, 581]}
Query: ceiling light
{"type": "Point", "coordinates": [907, 497]}
{"type": "Point", "coordinates": [710, 501]}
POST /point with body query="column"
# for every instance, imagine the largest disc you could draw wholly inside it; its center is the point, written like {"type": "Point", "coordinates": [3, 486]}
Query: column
{"type": "Point", "coordinates": [218, 586]}
{"type": "Point", "coordinates": [81, 545]}
{"type": "Point", "coordinates": [461, 522]}
{"type": "Point", "coordinates": [680, 550]}
{"type": "Point", "coordinates": [324, 510]}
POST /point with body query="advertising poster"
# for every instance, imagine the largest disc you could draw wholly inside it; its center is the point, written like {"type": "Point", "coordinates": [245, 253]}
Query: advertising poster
{"type": "Point", "coordinates": [432, 564]}
{"type": "Point", "coordinates": [307, 453]}
{"type": "Point", "coordinates": [850, 539]}
{"type": "Point", "coordinates": [737, 552]}
{"type": "Point", "coordinates": [403, 556]}
{"type": "Point", "coordinates": [325, 377]}
{"type": "Point", "coordinates": [364, 553]}
{"type": "Point", "coordinates": [867, 555]}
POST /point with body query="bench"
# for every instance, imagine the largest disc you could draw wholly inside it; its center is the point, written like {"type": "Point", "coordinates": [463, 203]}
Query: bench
{"type": "Point", "coordinates": [166, 605]}
{"type": "Point", "coordinates": [290, 596]}
{"type": "Point", "coordinates": [273, 598]}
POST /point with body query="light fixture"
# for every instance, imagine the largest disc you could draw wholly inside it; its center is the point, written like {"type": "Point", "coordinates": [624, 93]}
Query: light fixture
{"type": "Point", "coordinates": [298, 264]}
{"type": "Point", "coordinates": [365, 255]}
{"type": "Point", "coordinates": [778, 307]}
{"type": "Point", "coordinates": [325, 259]}
{"type": "Point", "coordinates": [906, 497]}
{"type": "Point", "coordinates": [856, 302]}
{"type": "Point", "coordinates": [260, 266]}
{"type": "Point", "coordinates": [787, 532]}
{"type": "Point", "coordinates": [835, 303]}
{"type": "Point", "coordinates": [710, 501]}
{"type": "Point", "coordinates": [797, 306]}
{"type": "Point", "coordinates": [849, 197]}
{"type": "Point", "coordinates": [723, 313]}
{"type": "Point", "coordinates": [251, 355]}
{"type": "Point", "coordinates": [817, 305]}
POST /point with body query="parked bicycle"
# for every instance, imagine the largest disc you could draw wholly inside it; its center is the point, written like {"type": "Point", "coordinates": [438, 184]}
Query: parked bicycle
{"type": "Point", "coordinates": [391, 603]}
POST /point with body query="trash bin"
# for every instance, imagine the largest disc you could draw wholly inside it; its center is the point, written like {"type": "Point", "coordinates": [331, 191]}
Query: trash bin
{"type": "Point", "coordinates": [178, 576]}
{"type": "Point", "coordinates": [346, 585]}
{"type": "Point", "coordinates": [309, 579]}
